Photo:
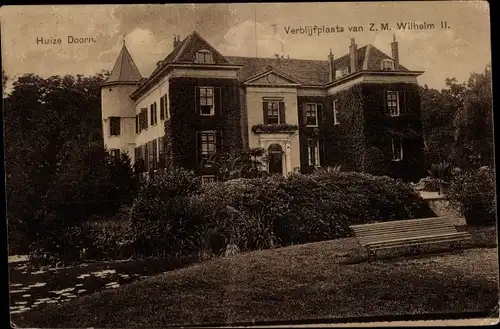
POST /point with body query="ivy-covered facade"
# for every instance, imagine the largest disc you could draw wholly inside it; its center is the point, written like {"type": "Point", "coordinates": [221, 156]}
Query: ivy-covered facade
{"type": "Point", "coordinates": [360, 111]}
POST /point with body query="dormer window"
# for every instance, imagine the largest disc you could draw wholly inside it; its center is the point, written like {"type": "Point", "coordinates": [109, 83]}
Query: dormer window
{"type": "Point", "coordinates": [387, 65]}
{"type": "Point", "coordinates": [342, 72]}
{"type": "Point", "coordinates": [204, 57]}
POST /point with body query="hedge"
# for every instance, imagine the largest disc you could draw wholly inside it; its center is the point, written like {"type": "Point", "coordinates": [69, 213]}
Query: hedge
{"type": "Point", "coordinates": [473, 193]}
{"type": "Point", "coordinates": [173, 215]}
{"type": "Point", "coordinates": [266, 212]}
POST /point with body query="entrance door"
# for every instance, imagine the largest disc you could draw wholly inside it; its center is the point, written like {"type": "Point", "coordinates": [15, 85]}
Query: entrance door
{"type": "Point", "coordinates": [275, 159]}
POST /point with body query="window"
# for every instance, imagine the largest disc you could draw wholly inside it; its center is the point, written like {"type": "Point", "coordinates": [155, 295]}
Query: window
{"type": "Point", "coordinates": [336, 112]}
{"type": "Point", "coordinates": [397, 149]}
{"type": "Point", "coordinates": [206, 101]}
{"type": "Point", "coordinates": [205, 179]}
{"type": "Point", "coordinates": [204, 56]}
{"type": "Point", "coordinates": [387, 65]}
{"type": "Point", "coordinates": [313, 152]}
{"type": "Point", "coordinates": [312, 115]}
{"type": "Point", "coordinates": [207, 144]}
{"type": "Point", "coordinates": [143, 119]}
{"type": "Point", "coordinates": [393, 103]}
{"type": "Point", "coordinates": [114, 126]}
{"type": "Point", "coordinates": [137, 123]}
{"type": "Point", "coordinates": [164, 107]}
{"type": "Point", "coordinates": [344, 71]}
{"type": "Point", "coordinates": [273, 116]}
{"type": "Point", "coordinates": [154, 117]}
{"type": "Point", "coordinates": [115, 154]}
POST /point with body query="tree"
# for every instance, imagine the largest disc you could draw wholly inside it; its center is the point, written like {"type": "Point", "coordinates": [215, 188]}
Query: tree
{"type": "Point", "coordinates": [438, 111]}
{"type": "Point", "coordinates": [457, 121]}
{"type": "Point", "coordinates": [473, 122]}
{"type": "Point", "coordinates": [51, 125]}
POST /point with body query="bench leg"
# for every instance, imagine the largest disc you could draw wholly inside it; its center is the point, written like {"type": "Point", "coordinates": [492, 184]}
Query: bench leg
{"type": "Point", "coordinates": [415, 249]}
{"type": "Point", "coordinates": [372, 255]}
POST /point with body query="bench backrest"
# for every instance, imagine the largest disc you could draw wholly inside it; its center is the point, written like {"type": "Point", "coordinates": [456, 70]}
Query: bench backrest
{"type": "Point", "coordinates": [410, 228]}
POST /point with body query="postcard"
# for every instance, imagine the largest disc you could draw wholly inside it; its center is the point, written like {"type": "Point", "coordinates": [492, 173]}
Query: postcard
{"type": "Point", "coordinates": [250, 164]}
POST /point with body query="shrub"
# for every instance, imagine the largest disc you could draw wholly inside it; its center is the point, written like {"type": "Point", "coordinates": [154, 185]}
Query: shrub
{"type": "Point", "coordinates": [173, 214]}
{"type": "Point", "coordinates": [325, 204]}
{"type": "Point", "coordinates": [243, 210]}
{"type": "Point", "coordinates": [108, 238]}
{"type": "Point", "coordinates": [88, 183]}
{"type": "Point", "coordinates": [473, 193]}
{"type": "Point", "coordinates": [266, 212]}
{"type": "Point", "coordinates": [158, 213]}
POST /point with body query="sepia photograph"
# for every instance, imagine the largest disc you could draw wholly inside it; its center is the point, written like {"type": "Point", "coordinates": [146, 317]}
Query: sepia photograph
{"type": "Point", "coordinates": [249, 164]}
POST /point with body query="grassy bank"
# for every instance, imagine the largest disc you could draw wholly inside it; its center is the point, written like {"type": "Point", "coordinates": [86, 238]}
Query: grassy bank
{"type": "Point", "coordinates": [310, 281]}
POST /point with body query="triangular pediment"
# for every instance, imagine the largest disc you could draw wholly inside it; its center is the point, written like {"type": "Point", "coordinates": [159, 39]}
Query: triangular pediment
{"type": "Point", "coordinates": [194, 43]}
{"type": "Point", "coordinates": [272, 77]}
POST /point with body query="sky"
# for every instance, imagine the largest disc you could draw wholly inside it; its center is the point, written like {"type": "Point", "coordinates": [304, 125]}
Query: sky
{"type": "Point", "coordinates": [244, 30]}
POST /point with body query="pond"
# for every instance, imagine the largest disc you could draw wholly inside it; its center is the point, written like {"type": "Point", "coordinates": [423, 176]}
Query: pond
{"type": "Point", "coordinates": [31, 286]}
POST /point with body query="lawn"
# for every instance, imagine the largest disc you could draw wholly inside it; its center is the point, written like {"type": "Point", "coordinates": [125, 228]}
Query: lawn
{"type": "Point", "coordinates": [325, 280]}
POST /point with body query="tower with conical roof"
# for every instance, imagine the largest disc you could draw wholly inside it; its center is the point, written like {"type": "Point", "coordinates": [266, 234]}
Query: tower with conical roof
{"type": "Point", "coordinates": [117, 108]}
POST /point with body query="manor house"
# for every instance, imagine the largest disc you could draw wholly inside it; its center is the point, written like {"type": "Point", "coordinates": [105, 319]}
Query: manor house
{"type": "Point", "coordinates": [360, 110]}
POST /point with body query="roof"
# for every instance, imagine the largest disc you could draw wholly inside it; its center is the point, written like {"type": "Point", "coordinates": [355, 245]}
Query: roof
{"type": "Point", "coordinates": [125, 69]}
{"type": "Point", "coordinates": [308, 72]}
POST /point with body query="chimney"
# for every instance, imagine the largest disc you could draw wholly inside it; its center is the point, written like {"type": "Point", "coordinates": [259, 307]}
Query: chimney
{"type": "Point", "coordinates": [395, 52]}
{"type": "Point", "coordinates": [353, 55]}
{"type": "Point", "coordinates": [331, 65]}
{"type": "Point", "coordinates": [176, 40]}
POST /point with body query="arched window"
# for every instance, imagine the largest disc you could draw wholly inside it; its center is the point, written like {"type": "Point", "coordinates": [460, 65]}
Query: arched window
{"type": "Point", "coordinates": [204, 56]}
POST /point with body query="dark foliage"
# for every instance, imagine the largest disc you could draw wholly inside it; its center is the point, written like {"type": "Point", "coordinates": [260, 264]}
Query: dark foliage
{"type": "Point", "coordinates": [473, 193]}
{"type": "Point", "coordinates": [58, 172]}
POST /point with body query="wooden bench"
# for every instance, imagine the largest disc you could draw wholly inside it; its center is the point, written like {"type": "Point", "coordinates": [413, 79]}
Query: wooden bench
{"type": "Point", "coordinates": [407, 233]}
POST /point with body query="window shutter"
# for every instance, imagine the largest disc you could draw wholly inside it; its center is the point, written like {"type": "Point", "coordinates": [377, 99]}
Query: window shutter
{"type": "Point", "coordinates": [198, 148]}
{"type": "Point", "coordinates": [218, 141]}
{"type": "Point", "coordinates": [322, 153]}
{"type": "Point", "coordinates": [403, 102]}
{"type": "Point", "coordinates": [155, 153]}
{"type": "Point", "coordinates": [282, 112]}
{"type": "Point", "coordinates": [136, 158]}
{"type": "Point", "coordinates": [161, 152]}
{"type": "Point", "coordinates": [264, 112]}
{"type": "Point", "coordinates": [146, 157]}
{"type": "Point", "coordinates": [151, 155]}
{"type": "Point", "coordinates": [145, 118]}
{"type": "Point", "coordinates": [197, 99]}
{"type": "Point", "coordinates": [155, 114]}
{"type": "Point", "coordinates": [118, 126]}
{"type": "Point", "coordinates": [304, 113]}
{"type": "Point", "coordinates": [384, 101]}
{"type": "Point", "coordinates": [162, 108]}
{"type": "Point", "coordinates": [218, 100]}
{"type": "Point", "coordinates": [304, 152]}
{"type": "Point", "coordinates": [320, 113]}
